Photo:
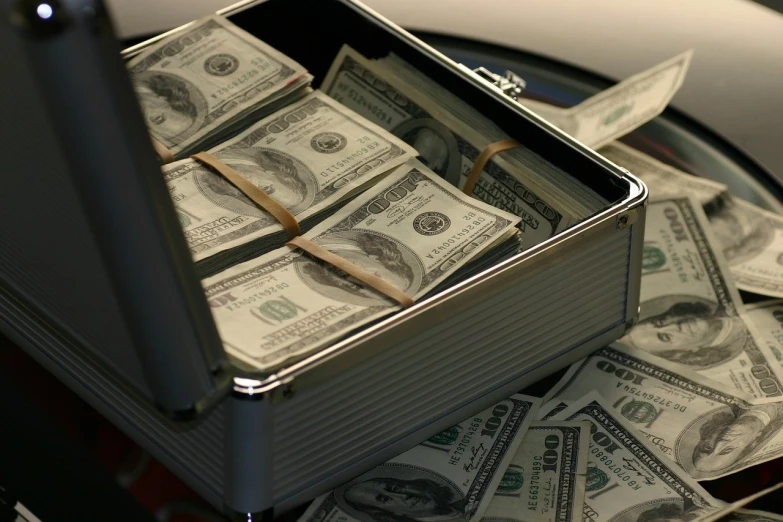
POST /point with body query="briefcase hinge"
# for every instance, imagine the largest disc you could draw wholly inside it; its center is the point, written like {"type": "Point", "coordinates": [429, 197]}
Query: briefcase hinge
{"type": "Point", "coordinates": [510, 84]}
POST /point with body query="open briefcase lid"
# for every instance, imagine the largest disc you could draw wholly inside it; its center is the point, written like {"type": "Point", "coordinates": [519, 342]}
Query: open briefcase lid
{"type": "Point", "coordinates": [69, 78]}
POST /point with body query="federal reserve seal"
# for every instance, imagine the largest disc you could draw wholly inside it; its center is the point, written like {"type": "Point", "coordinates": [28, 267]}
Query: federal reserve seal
{"type": "Point", "coordinates": [639, 412]}
{"type": "Point", "coordinates": [596, 478]}
{"type": "Point", "coordinates": [446, 437]}
{"type": "Point", "coordinates": [512, 481]}
{"type": "Point", "coordinates": [328, 142]}
{"type": "Point", "coordinates": [653, 258]}
{"type": "Point", "coordinates": [221, 64]}
{"type": "Point", "coordinates": [278, 310]}
{"type": "Point", "coordinates": [431, 223]}
{"type": "Point", "coordinates": [618, 113]}
{"type": "Point", "coordinates": [184, 219]}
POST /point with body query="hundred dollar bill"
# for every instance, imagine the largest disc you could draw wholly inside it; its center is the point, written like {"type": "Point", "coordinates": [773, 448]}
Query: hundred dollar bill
{"type": "Point", "coordinates": [201, 82]}
{"type": "Point", "coordinates": [691, 313]}
{"type": "Point", "coordinates": [412, 229]}
{"type": "Point", "coordinates": [360, 85]}
{"type": "Point", "coordinates": [752, 241]}
{"type": "Point", "coordinates": [664, 180]}
{"type": "Point", "coordinates": [628, 479]}
{"type": "Point", "coordinates": [618, 110]}
{"type": "Point", "coordinates": [545, 481]}
{"type": "Point", "coordinates": [449, 477]}
{"type": "Point", "coordinates": [308, 157]}
{"type": "Point", "coordinates": [768, 318]}
{"type": "Point", "coordinates": [709, 430]}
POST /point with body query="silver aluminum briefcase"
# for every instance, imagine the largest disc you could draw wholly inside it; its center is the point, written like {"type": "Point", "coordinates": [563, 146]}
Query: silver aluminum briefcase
{"type": "Point", "coordinates": [122, 319]}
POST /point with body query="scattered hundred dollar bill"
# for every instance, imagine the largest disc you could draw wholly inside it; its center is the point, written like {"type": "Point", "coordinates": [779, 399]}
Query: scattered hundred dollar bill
{"type": "Point", "coordinates": [412, 229]}
{"type": "Point", "coordinates": [663, 180]}
{"type": "Point", "coordinates": [628, 479]}
{"type": "Point", "coordinates": [545, 481]}
{"type": "Point", "coordinates": [691, 313]}
{"type": "Point", "coordinates": [748, 235]}
{"type": "Point", "coordinates": [768, 318]}
{"type": "Point", "coordinates": [751, 240]}
{"type": "Point", "coordinates": [449, 139]}
{"type": "Point", "coordinates": [449, 477]}
{"type": "Point", "coordinates": [708, 429]}
{"type": "Point", "coordinates": [309, 157]}
{"type": "Point", "coordinates": [618, 110]}
{"type": "Point", "coordinates": [208, 80]}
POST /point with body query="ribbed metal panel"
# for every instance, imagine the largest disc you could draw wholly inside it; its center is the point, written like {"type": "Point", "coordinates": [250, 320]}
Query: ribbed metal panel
{"type": "Point", "coordinates": [46, 248]}
{"type": "Point", "coordinates": [466, 355]}
{"type": "Point", "coordinates": [194, 452]}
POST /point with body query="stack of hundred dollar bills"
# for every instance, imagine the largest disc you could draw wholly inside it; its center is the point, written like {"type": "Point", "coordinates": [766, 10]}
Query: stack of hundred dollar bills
{"type": "Point", "coordinates": [449, 135]}
{"type": "Point", "coordinates": [355, 189]}
{"type": "Point", "coordinates": [691, 393]}
{"type": "Point", "coordinates": [310, 157]}
{"type": "Point", "coordinates": [412, 229]}
{"type": "Point", "coordinates": [203, 84]}
{"type": "Point", "coordinates": [217, 88]}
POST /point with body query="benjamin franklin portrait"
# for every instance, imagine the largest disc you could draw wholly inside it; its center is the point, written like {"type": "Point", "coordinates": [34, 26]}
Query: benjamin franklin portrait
{"type": "Point", "coordinates": [173, 107]}
{"type": "Point", "coordinates": [741, 234]}
{"type": "Point", "coordinates": [688, 330]}
{"type": "Point", "coordinates": [713, 444]}
{"type": "Point", "coordinates": [436, 145]}
{"type": "Point", "coordinates": [283, 178]}
{"type": "Point", "coordinates": [672, 512]}
{"type": "Point", "coordinates": [395, 493]}
{"type": "Point", "coordinates": [379, 255]}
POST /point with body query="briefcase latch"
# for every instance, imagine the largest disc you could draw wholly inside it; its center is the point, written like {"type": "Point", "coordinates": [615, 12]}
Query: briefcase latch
{"type": "Point", "coordinates": [510, 84]}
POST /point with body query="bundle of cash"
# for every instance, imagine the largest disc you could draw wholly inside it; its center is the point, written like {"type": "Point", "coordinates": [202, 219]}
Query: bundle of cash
{"type": "Point", "coordinates": [210, 80]}
{"type": "Point", "coordinates": [310, 157]}
{"type": "Point", "coordinates": [449, 135]}
{"type": "Point", "coordinates": [412, 229]}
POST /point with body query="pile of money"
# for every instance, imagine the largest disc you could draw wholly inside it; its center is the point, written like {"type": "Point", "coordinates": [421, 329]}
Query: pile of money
{"type": "Point", "coordinates": [412, 229]}
{"type": "Point", "coordinates": [310, 157]}
{"type": "Point", "coordinates": [203, 84]}
{"type": "Point", "coordinates": [449, 135]}
{"type": "Point", "coordinates": [692, 392]}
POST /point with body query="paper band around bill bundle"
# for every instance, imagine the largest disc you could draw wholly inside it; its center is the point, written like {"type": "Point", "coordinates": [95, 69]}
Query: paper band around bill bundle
{"type": "Point", "coordinates": [165, 155]}
{"type": "Point", "coordinates": [278, 211]}
{"type": "Point", "coordinates": [353, 270]}
{"type": "Point", "coordinates": [481, 162]}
